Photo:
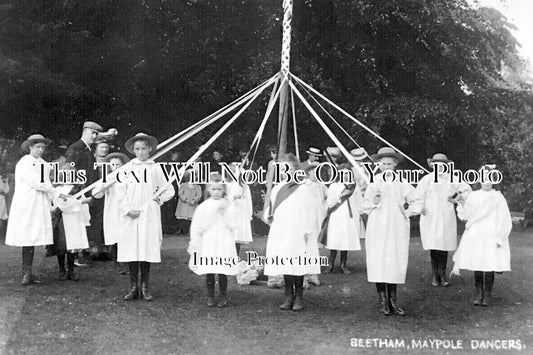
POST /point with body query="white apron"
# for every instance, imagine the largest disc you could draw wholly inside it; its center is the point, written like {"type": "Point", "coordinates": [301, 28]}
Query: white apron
{"type": "Point", "coordinates": [30, 221]}
{"type": "Point", "coordinates": [244, 209]}
{"type": "Point", "coordinates": [212, 245]}
{"type": "Point", "coordinates": [141, 237]}
{"type": "Point", "coordinates": [488, 225]}
{"type": "Point", "coordinates": [387, 231]}
{"type": "Point", "coordinates": [293, 234]}
{"type": "Point", "coordinates": [344, 231]}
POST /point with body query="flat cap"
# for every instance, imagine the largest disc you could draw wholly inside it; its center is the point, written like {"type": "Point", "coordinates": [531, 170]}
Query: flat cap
{"type": "Point", "coordinates": [92, 125]}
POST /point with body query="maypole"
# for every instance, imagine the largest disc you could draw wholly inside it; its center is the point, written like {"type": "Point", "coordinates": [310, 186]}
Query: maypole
{"type": "Point", "coordinates": [284, 93]}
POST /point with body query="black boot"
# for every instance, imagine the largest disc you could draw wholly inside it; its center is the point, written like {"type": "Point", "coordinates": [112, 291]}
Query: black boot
{"type": "Point", "coordinates": [145, 276]}
{"type": "Point", "coordinates": [487, 290]}
{"type": "Point", "coordinates": [134, 279]}
{"type": "Point", "coordinates": [443, 260]}
{"type": "Point", "coordinates": [289, 292]}
{"type": "Point", "coordinates": [383, 301]}
{"type": "Point", "coordinates": [435, 281]}
{"type": "Point", "coordinates": [344, 258]}
{"type": "Point", "coordinates": [331, 261]}
{"type": "Point", "coordinates": [223, 287]}
{"type": "Point", "coordinates": [27, 262]}
{"type": "Point", "coordinates": [62, 269]}
{"type": "Point", "coordinates": [392, 300]}
{"type": "Point", "coordinates": [478, 298]}
{"type": "Point", "coordinates": [71, 275]}
{"type": "Point", "coordinates": [299, 292]}
{"type": "Point", "coordinates": [210, 282]}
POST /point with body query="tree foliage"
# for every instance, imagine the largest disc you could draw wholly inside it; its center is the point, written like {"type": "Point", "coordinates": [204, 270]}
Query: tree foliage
{"type": "Point", "coordinates": [429, 75]}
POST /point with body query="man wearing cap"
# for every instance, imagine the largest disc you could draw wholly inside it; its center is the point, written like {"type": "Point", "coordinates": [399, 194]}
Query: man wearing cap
{"type": "Point", "coordinates": [438, 224]}
{"type": "Point", "coordinates": [81, 154]}
{"type": "Point", "coordinates": [387, 230]}
{"type": "Point", "coordinates": [312, 158]}
{"type": "Point", "coordinates": [29, 222]}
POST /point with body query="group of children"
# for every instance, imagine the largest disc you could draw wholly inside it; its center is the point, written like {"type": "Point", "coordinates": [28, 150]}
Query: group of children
{"type": "Point", "coordinates": [301, 217]}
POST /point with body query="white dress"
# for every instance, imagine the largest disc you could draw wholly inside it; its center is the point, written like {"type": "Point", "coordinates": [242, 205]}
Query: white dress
{"type": "Point", "coordinates": [113, 220]}
{"type": "Point", "coordinates": [141, 237]}
{"type": "Point", "coordinates": [387, 231]}
{"type": "Point", "coordinates": [30, 221]}
{"type": "Point", "coordinates": [75, 218]}
{"type": "Point", "coordinates": [438, 224]}
{"type": "Point", "coordinates": [344, 231]}
{"type": "Point", "coordinates": [212, 246]}
{"type": "Point", "coordinates": [244, 209]}
{"type": "Point", "coordinates": [319, 191]}
{"type": "Point", "coordinates": [292, 239]}
{"type": "Point", "coordinates": [488, 225]}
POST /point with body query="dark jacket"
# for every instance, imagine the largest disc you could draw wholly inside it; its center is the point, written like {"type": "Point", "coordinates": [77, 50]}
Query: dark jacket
{"type": "Point", "coordinates": [83, 158]}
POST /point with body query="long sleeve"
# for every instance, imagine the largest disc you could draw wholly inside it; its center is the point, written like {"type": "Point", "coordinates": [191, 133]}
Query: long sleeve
{"type": "Point", "coordinates": [368, 201]}
{"type": "Point", "coordinates": [4, 187]}
{"type": "Point", "coordinates": [123, 203]}
{"type": "Point", "coordinates": [504, 224]}
{"type": "Point", "coordinates": [122, 193]}
{"type": "Point", "coordinates": [333, 195]}
{"type": "Point", "coordinates": [196, 230]}
{"type": "Point", "coordinates": [182, 193]}
{"type": "Point", "coordinates": [31, 175]}
{"type": "Point", "coordinates": [409, 195]}
{"type": "Point", "coordinates": [419, 197]}
{"type": "Point", "coordinates": [463, 210]}
{"type": "Point", "coordinates": [162, 184]}
{"type": "Point", "coordinates": [196, 194]}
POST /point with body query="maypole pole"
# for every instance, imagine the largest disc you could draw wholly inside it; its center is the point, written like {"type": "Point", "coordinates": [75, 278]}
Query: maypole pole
{"type": "Point", "coordinates": [284, 91]}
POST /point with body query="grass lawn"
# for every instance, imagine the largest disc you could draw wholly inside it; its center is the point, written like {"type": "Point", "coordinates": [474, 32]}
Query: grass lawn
{"type": "Point", "coordinates": [90, 317]}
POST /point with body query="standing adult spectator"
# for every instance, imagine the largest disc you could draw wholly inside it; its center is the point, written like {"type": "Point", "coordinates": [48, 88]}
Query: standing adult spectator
{"type": "Point", "coordinates": [80, 156]}
{"type": "Point", "coordinates": [215, 162]}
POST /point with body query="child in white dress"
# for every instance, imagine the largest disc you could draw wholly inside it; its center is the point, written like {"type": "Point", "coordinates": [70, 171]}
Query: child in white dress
{"type": "Point", "coordinates": [484, 247]}
{"type": "Point", "coordinates": [345, 226]}
{"type": "Point", "coordinates": [212, 245]}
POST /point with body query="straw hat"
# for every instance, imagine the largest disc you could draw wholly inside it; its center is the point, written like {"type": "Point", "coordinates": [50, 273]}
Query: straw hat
{"type": "Point", "coordinates": [34, 138]}
{"type": "Point", "coordinates": [333, 151]}
{"type": "Point", "coordinates": [151, 140]}
{"type": "Point", "coordinates": [123, 157]}
{"type": "Point", "coordinates": [387, 152]}
{"type": "Point", "coordinates": [359, 154]}
{"type": "Point", "coordinates": [314, 151]}
{"type": "Point", "coordinates": [439, 158]}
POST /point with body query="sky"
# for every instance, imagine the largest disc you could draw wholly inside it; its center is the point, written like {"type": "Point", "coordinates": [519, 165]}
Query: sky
{"type": "Point", "coordinates": [519, 13]}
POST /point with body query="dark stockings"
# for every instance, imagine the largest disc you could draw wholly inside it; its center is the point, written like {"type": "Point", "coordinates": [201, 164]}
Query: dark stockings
{"type": "Point", "coordinates": [222, 284]}
{"type": "Point", "coordinates": [27, 258]}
